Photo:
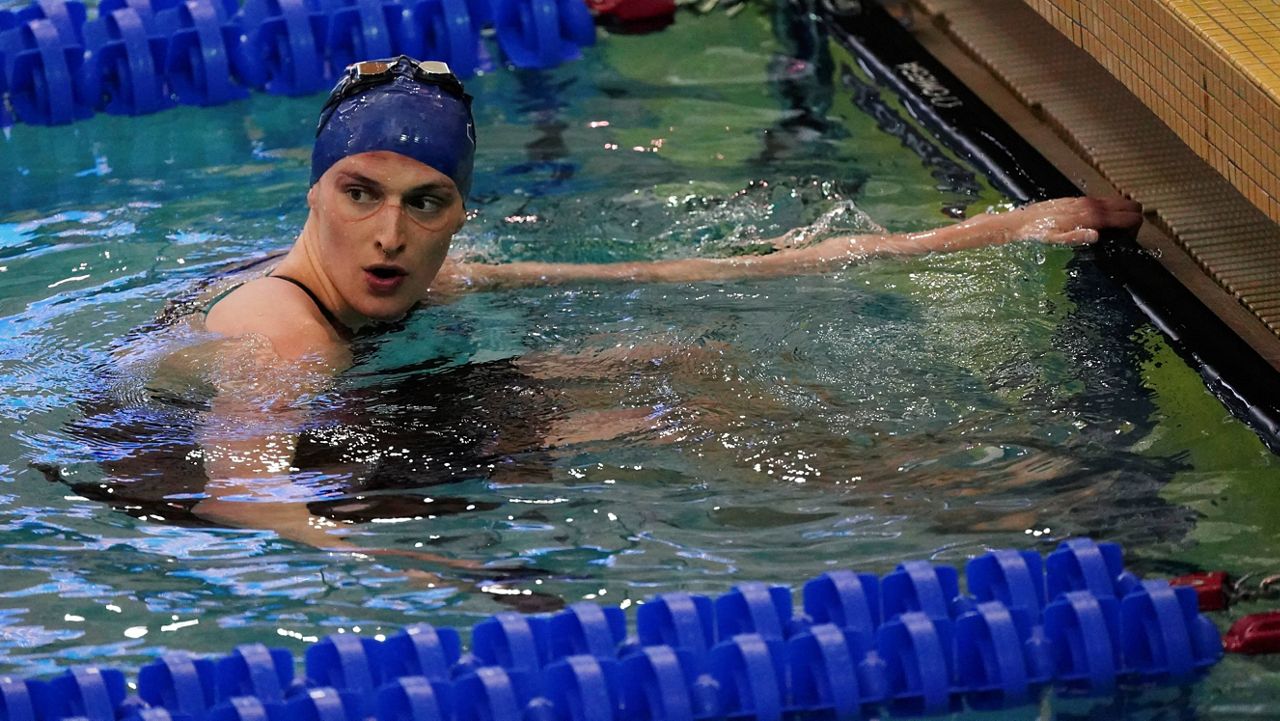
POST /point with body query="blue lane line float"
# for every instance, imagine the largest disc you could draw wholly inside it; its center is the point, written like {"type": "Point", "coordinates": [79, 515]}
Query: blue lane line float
{"type": "Point", "coordinates": [255, 670]}
{"type": "Point", "coordinates": [199, 61]}
{"type": "Point", "coordinates": [43, 50]}
{"type": "Point", "coordinates": [124, 56]}
{"type": "Point", "coordinates": [1082, 565]}
{"type": "Point", "coordinates": [1008, 660]}
{"type": "Point", "coordinates": [41, 70]}
{"type": "Point", "coordinates": [134, 57]}
{"type": "Point", "coordinates": [660, 683]}
{"type": "Point", "coordinates": [512, 641]}
{"type": "Point", "coordinates": [88, 692]}
{"type": "Point", "coordinates": [178, 683]}
{"type": "Point", "coordinates": [922, 587]}
{"type": "Point", "coordinates": [15, 700]}
{"type": "Point", "coordinates": [1014, 578]}
{"type": "Point", "coordinates": [346, 664]}
{"type": "Point", "coordinates": [415, 698]}
{"type": "Point", "coordinates": [581, 687]}
{"type": "Point", "coordinates": [360, 29]}
{"type": "Point", "coordinates": [834, 670]}
{"type": "Point", "coordinates": [283, 46]}
{"type": "Point", "coordinates": [585, 628]}
{"type": "Point", "coordinates": [846, 599]}
{"type": "Point", "coordinates": [916, 649]}
{"type": "Point", "coordinates": [754, 608]}
{"type": "Point", "coordinates": [1083, 631]}
{"type": "Point", "coordinates": [908, 644]}
{"type": "Point", "coordinates": [1164, 636]}
{"type": "Point", "coordinates": [750, 670]}
{"type": "Point", "coordinates": [542, 33]}
{"type": "Point", "coordinates": [7, 23]}
{"type": "Point", "coordinates": [451, 30]}
{"type": "Point", "coordinates": [67, 16]}
{"type": "Point", "coordinates": [491, 693]}
{"type": "Point", "coordinates": [421, 650]}
{"type": "Point", "coordinates": [681, 620]}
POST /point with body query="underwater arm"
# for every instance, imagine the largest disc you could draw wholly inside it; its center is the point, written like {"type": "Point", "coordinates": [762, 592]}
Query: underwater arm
{"type": "Point", "coordinates": [249, 487]}
{"type": "Point", "coordinates": [1070, 221]}
{"type": "Point", "coordinates": [276, 354]}
{"type": "Point", "coordinates": [248, 439]}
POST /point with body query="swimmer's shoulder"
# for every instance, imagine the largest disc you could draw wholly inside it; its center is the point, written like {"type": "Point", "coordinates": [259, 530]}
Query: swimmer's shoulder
{"type": "Point", "coordinates": [279, 311]}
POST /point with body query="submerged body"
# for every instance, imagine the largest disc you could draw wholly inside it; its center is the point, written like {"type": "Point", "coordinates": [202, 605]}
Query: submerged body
{"type": "Point", "coordinates": [375, 245]}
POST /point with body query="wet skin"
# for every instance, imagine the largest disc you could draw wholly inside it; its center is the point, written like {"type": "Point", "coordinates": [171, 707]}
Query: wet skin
{"type": "Point", "coordinates": [382, 224]}
{"type": "Point", "coordinates": [376, 237]}
{"type": "Point", "coordinates": [375, 244]}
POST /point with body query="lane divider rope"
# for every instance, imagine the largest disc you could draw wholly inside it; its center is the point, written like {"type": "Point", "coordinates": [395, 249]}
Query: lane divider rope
{"type": "Point", "coordinates": [908, 644]}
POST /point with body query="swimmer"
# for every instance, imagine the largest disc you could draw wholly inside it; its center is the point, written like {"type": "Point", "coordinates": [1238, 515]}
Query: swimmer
{"type": "Point", "coordinates": [391, 171]}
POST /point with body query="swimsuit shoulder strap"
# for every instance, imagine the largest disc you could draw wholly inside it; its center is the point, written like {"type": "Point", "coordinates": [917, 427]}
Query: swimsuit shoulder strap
{"type": "Point", "coordinates": [338, 325]}
{"type": "Point", "coordinates": [208, 306]}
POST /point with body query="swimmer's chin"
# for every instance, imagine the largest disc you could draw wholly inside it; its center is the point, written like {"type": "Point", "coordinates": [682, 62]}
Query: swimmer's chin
{"type": "Point", "coordinates": [379, 316]}
{"type": "Point", "coordinates": [365, 309]}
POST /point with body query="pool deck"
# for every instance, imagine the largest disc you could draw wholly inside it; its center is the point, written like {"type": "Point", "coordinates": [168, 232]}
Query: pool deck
{"type": "Point", "coordinates": [1202, 159]}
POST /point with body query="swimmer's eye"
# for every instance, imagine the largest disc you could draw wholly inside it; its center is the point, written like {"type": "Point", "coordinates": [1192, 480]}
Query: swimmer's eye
{"type": "Point", "coordinates": [361, 195]}
{"type": "Point", "coordinates": [425, 204]}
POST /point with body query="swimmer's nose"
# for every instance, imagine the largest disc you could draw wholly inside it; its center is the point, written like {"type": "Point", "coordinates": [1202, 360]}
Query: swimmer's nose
{"type": "Point", "coordinates": [392, 230]}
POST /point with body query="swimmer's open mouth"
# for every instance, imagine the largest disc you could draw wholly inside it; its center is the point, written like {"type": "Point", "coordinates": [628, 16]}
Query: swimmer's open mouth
{"type": "Point", "coordinates": [386, 272]}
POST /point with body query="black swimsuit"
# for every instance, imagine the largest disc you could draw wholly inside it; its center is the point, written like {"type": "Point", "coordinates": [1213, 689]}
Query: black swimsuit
{"type": "Point", "coordinates": [388, 434]}
{"type": "Point", "coordinates": [342, 328]}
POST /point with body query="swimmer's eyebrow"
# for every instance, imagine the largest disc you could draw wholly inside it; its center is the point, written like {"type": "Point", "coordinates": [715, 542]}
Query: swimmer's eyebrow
{"type": "Point", "coordinates": [358, 178]}
{"type": "Point", "coordinates": [371, 183]}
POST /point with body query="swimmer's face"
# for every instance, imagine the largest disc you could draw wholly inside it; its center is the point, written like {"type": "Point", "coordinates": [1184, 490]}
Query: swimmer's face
{"type": "Point", "coordinates": [383, 226]}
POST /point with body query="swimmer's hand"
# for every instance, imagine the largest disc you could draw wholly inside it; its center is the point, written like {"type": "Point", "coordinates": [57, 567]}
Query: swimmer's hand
{"type": "Point", "coordinates": [1072, 221]}
{"type": "Point", "coordinates": [1064, 221]}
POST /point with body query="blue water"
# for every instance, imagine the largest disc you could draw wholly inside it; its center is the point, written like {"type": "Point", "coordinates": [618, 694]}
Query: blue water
{"type": "Point", "coordinates": [929, 407]}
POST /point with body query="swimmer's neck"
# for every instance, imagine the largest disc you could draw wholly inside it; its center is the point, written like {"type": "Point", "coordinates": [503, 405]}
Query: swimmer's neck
{"type": "Point", "coordinates": [303, 262]}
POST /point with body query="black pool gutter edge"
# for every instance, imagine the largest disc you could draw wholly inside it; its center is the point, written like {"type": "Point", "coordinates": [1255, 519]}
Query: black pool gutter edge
{"type": "Point", "coordinates": [1241, 378]}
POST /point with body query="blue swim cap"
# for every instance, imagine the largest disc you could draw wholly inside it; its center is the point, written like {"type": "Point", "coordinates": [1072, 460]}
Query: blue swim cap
{"type": "Point", "coordinates": [399, 106]}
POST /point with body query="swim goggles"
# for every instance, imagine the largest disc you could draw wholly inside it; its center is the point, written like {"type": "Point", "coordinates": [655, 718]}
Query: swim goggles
{"type": "Point", "coordinates": [365, 74]}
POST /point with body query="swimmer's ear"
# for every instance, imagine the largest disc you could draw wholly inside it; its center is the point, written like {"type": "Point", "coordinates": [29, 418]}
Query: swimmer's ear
{"type": "Point", "coordinates": [311, 195]}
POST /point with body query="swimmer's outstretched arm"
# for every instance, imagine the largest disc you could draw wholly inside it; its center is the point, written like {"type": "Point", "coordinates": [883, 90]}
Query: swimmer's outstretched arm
{"type": "Point", "coordinates": [1071, 221]}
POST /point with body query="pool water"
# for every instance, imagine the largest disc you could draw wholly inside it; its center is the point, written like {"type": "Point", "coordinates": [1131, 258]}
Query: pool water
{"type": "Point", "coordinates": [929, 407]}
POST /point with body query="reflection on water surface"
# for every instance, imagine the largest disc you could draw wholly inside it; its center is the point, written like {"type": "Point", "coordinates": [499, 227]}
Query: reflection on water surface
{"type": "Point", "coordinates": [601, 442]}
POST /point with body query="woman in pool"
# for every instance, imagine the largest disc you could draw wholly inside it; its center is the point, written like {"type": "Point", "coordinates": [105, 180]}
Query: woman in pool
{"type": "Point", "coordinates": [391, 170]}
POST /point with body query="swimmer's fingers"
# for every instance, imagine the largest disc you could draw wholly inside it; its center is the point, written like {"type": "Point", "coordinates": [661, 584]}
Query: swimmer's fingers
{"type": "Point", "coordinates": [1076, 221]}
{"type": "Point", "coordinates": [1080, 236]}
{"type": "Point", "coordinates": [1112, 213]}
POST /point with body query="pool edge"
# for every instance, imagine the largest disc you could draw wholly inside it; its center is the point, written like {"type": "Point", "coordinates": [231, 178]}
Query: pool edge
{"type": "Point", "coordinates": [1236, 354]}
